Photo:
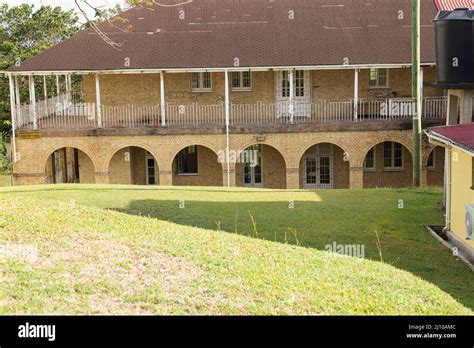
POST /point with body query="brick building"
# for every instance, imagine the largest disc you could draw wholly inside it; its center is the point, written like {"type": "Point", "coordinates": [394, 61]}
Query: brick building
{"type": "Point", "coordinates": [269, 93]}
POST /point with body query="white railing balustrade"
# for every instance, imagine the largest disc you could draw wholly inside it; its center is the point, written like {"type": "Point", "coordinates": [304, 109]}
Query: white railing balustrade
{"type": "Point", "coordinates": [61, 113]}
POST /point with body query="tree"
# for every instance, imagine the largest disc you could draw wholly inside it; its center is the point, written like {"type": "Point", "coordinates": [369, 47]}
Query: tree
{"type": "Point", "coordinates": [25, 32]}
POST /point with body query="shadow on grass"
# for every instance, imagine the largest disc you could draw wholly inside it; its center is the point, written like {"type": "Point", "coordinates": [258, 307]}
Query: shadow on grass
{"type": "Point", "coordinates": [312, 224]}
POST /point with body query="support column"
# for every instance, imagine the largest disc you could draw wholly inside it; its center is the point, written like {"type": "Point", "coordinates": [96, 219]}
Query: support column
{"type": "Point", "coordinates": [466, 106]}
{"type": "Point", "coordinates": [356, 177]}
{"type": "Point", "coordinates": [19, 115]}
{"type": "Point", "coordinates": [356, 95]}
{"type": "Point", "coordinates": [232, 177]}
{"type": "Point", "coordinates": [33, 110]}
{"type": "Point", "coordinates": [292, 96]}
{"type": "Point", "coordinates": [13, 109]}
{"type": "Point", "coordinates": [166, 177]}
{"type": "Point", "coordinates": [45, 92]}
{"type": "Point", "coordinates": [227, 124]}
{"type": "Point", "coordinates": [292, 178]}
{"type": "Point", "coordinates": [58, 89]}
{"type": "Point", "coordinates": [162, 99]}
{"type": "Point", "coordinates": [424, 176]}
{"type": "Point", "coordinates": [102, 178]}
{"type": "Point", "coordinates": [97, 100]}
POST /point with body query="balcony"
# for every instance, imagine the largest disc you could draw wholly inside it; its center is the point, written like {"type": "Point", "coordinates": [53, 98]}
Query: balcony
{"type": "Point", "coordinates": [60, 113]}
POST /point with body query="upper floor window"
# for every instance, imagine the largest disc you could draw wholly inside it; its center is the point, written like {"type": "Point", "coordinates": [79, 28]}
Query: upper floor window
{"type": "Point", "coordinates": [188, 161]}
{"type": "Point", "coordinates": [201, 82]}
{"type": "Point", "coordinates": [369, 163]}
{"type": "Point", "coordinates": [393, 155]}
{"type": "Point", "coordinates": [378, 77]}
{"type": "Point", "coordinates": [241, 81]}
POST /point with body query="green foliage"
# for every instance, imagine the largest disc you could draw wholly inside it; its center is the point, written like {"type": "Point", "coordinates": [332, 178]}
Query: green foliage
{"type": "Point", "coordinates": [25, 32]}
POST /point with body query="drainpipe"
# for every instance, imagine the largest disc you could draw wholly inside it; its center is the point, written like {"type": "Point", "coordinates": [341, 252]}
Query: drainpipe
{"type": "Point", "coordinates": [448, 187]}
{"type": "Point", "coordinates": [227, 123]}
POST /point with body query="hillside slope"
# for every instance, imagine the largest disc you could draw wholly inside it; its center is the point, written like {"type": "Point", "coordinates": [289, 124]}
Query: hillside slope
{"type": "Point", "coordinates": [95, 261]}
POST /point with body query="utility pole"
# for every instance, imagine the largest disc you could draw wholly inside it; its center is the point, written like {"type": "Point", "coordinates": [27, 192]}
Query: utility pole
{"type": "Point", "coordinates": [416, 91]}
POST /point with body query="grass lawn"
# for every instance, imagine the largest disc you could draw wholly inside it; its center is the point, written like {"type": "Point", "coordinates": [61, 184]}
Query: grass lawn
{"type": "Point", "coordinates": [123, 249]}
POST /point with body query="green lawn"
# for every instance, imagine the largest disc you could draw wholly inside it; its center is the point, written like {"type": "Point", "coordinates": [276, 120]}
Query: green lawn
{"type": "Point", "coordinates": [123, 249]}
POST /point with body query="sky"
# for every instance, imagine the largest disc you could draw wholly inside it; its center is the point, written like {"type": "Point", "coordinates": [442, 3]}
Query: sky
{"type": "Point", "coordinates": [66, 4]}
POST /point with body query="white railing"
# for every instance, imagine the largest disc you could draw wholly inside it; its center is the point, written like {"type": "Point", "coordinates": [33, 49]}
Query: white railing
{"type": "Point", "coordinates": [63, 114]}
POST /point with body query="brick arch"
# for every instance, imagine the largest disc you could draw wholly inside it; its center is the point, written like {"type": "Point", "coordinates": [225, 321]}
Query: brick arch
{"type": "Point", "coordinates": [106, 162]}
{"type": "Point", "coordinates": [177, 150]}
{"type": "Point", "coordinates": [427, 152]}
{"type": "Point", "coordinates": [275, 147]}
{"type": "Point", "coordinates": [73, 145]}
{"type": "Point", "coordinates": [407, 145]}
{"type": "Point", "coordinates": [309, 145]}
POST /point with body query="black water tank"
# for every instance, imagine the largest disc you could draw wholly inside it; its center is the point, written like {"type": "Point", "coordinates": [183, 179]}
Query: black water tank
{"type": "Point", "coordinates": [454, 46]}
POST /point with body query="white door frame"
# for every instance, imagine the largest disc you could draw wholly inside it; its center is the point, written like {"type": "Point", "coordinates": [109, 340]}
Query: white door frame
{"type": "Point", "coordinates": [302, 105]}
{"type": "Point", "coordinates": [147, 157]}
{"type": "Point", "coordinates": [318, 184]}
{"type": "Point", "coordinates": [252, 171]}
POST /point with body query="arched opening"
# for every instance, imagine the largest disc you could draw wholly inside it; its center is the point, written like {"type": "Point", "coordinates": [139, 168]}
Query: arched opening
{"type": "Point", "coordinates": [388, 164]}
{"type": "Point", "coordinates": [133, 166]}
{"type": "Point", "coordinates": [69, 165]}
{"type": "Point", "coordinates": [260, 166]}
{"type": "Point", "coordinates": [435, 167]}
{"type": "Point", "coordinates": [197, 165]}
{"type": "Point", "coordinates": [324, 166]}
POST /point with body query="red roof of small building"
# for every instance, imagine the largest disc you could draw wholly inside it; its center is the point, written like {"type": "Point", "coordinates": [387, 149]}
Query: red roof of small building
{"type": "Point", "coordinates": [449, 5]}
{"type": "Point", "coordinates": [459, 135]}
{"type": "Point", "coordinates": [206, 34]}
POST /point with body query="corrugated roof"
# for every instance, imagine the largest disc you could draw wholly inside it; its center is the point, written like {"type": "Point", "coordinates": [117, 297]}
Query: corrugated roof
{"type": "Point", "coordinates": [449, 5]}
{"type": "Point", "coordinates": [460, 135]}
{"type": "Point", "coordinates": [259, 33]}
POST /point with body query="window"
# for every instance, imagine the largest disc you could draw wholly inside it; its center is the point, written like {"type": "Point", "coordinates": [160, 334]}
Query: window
{"type": "Point", "coordinates": [188, 161]}
{"type": "Point", "coordinates": [431, 161]}
{"type": "Point", "coordinates": [201, 82]}
{"type": "Point", "coordinates": [369, 164]}
{"type": "Point", "coordinates": [150, 170]}
{"type": "Point", "coordinates": [298, 84]}
{"type": "Point", "coordinates": [393, 156]}
{"type": "Point", "coordinates": [241, 81]}
{"type": "Point", "coordinates": [378, 77]}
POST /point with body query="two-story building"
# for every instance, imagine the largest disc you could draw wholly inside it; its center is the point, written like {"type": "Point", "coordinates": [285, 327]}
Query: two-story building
{"type": "Point", "coordinates": [253, 93]}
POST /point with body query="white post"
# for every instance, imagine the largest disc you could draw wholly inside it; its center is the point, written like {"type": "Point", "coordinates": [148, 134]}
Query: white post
{"type": "Point", "coordinates": [162, 99]}
{"type": "Point", "coordinates": [58, 90]}
{"type": "Point", "coordinates": [227, 124]}
{"type": "Point", "coordinates": [67, 82]}
{"type": "Point", "coordinates": [18, 100]}
{"type": "Point", "coordinates": [419, 106]}
{"type": "Point", "coordinates": [356, 95]}
{"type": "Point", "coordinates": [292, 96]}
{"type": "Point", "coordinates": [13, 113]}
{"type": "Point", "coordinates": [97, 99]}
{"type": "Point", "coordinates": [33, 101]}
{"type": "Point", "coordinates": [45, 92]}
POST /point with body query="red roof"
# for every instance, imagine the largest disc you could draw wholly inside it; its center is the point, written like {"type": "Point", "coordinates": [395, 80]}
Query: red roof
{"type": "Point", "coordinates": [257, 33]}
{"type": "Point", "coordinates": [449, 5]}
{"type": "Point", "coordinates": [460, 135]}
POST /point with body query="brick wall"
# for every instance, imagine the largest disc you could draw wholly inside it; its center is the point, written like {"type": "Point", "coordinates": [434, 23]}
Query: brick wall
{"type": "Point", "coordinates": [144, 89]}
{"type": "Point", "coordinates": [282, 157]}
